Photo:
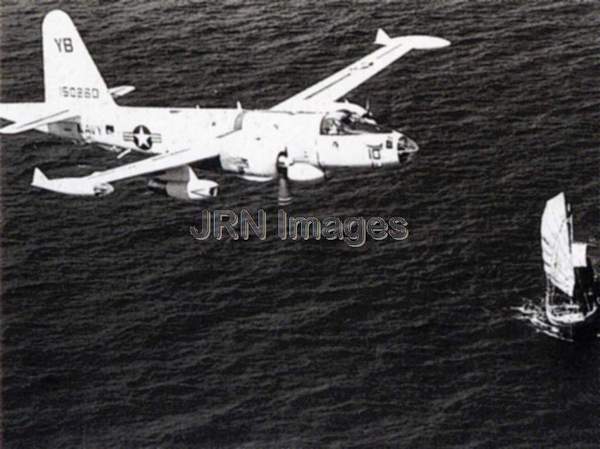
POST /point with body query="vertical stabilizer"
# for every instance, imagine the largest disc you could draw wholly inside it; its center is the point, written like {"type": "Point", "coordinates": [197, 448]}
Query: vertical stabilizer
{"type": "Point", "coordinates": [70, 75]}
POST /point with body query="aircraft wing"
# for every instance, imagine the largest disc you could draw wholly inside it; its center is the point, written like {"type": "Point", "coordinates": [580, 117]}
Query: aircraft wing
{"type": "Point", "coordinates": [31, 121]}
{"type": "Point", "coordinates": [347, 79]}
{"type": "Point", "coordinates": [98, 183]}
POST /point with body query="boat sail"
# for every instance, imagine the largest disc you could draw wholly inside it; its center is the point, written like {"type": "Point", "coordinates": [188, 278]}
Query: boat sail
{"type": "Point", "coordinates": [556, 245]}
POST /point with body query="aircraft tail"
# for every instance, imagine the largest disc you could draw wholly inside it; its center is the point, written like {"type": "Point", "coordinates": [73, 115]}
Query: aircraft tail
{"type": "Point", "coordinates": [71, 77]}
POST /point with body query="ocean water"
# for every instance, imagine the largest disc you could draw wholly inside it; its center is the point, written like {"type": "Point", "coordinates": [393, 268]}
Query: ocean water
{"type": "Point", "coordinates": [120, 330]}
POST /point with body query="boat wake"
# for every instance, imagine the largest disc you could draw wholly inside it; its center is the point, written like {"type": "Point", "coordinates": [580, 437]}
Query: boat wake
{"type": "Point", "coordinates": [532, 311]}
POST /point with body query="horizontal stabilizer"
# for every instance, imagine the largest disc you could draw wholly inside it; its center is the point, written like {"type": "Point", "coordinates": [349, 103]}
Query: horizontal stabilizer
{"type": "Point", "coordinates": [120, 91]}
{"type": "Point", "coordinates": [35, 122]}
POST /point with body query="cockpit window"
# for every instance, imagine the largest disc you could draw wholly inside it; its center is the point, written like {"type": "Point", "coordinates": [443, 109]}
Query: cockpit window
{"type": "Point", "coordinates": [346, 123]}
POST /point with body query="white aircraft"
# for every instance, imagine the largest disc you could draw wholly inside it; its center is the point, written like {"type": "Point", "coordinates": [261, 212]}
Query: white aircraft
{"type": "Point", "coordinates": [295, 140]}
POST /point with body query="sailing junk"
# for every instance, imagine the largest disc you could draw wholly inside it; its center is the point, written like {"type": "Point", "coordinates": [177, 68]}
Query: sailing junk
{"type": "Point", "coordinates": [571, 300]}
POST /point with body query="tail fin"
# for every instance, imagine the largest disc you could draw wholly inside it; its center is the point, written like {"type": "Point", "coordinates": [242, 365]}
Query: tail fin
{"type": "Point", "coordinates": [70, 75]}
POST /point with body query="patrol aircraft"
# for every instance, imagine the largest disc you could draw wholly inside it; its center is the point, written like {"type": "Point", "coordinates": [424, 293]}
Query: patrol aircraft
{"type": "Point", "coordinates": [294, 141]}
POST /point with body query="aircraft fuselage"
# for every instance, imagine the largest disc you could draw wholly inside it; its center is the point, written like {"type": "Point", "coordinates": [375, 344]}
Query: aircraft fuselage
{"type": "Point", "coordinates": [258, 136]}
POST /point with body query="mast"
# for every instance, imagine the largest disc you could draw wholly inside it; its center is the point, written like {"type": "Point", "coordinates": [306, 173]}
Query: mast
{"type": "Point", "coordinates": [549, 292]}
{"type": "Point", "coordinates": [570, 222]}
{"type": "Point", "coordinates": [570, 226]}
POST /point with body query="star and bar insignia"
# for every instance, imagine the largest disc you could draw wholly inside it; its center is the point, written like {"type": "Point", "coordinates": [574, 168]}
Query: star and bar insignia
{"type": "Point", "coordinates": [142, 137]}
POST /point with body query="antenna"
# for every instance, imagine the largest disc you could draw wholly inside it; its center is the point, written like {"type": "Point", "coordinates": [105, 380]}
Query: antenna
{"type": "Point", "coordinates": [570, 226]}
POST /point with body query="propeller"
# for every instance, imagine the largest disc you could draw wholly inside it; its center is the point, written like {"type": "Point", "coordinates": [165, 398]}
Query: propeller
{"type": "Point", "coordinates": [368, 109]}
{"type": "Point", "coordinates": [284, 196]}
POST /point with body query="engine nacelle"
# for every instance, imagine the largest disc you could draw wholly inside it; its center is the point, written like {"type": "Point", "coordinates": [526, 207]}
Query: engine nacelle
{"type": "Point", "coordinates": [182, 183]}
{"type": "Point", "coordinates": [103, 189]}
{"type": "Point", "coordinates": [261, 136]}
{"type": "Point", "coordinates": [305, 173]}
{"type": "Point", "coordinates": [198, 189]}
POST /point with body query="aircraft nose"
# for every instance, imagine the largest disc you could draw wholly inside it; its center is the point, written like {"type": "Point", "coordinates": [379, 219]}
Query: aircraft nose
{"type": "Point", "coordinates": [406, 147]}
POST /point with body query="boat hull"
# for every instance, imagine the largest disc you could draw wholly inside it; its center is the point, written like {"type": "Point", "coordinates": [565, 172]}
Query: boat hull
{"type": "Point", "coordinates": [585, 329]}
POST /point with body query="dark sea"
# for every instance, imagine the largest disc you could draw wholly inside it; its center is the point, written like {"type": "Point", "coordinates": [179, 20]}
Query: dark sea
{"type": "Point", "coordinates": [119, 330]}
